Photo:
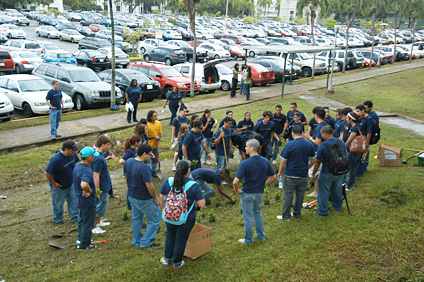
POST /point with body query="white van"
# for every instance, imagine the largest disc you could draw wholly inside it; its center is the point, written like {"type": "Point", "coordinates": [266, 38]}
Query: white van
{"type": "Point", "coordinates": [206, 74]}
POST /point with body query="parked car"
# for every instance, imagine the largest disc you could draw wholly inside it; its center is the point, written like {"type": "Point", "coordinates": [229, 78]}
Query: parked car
{"type": "Point", "coordinates": [167, 77]}
{"type": "Point", "coordinates": [400, 53]}
{"type": "Point", "coordinates": [185, 35]}
{"type": "Point", "coordinates": [215, 51]}
{"type": "Point", "coordinates": [171, 35]}
{"type": "Point", "coordinates": [48, 46]}
{"type": "Point", "coordinates": [6, 19]}
{"type": "Point", "coordinates": [25, 61]}
{"type": "Point", "coordinates": [47, 21]}
{"type": "Point", "coordinates": [150, 44]}
{"type": "Point", "coordinates": [82, 84]}
{"type": "Point", "coordinates": [58, 56]}
{"type": "Point", "coordinates": [203, 35]}
{"type": "Point", "coordinates": [47, 31]}
{"type": "Point", "coordinates": [170, 55]}
{"type": "Point", "coordinates": [63, 26]}
{"type": "Point", "coordinates": [85, 31]}
{"type": "Point", "coordinates": [93, 43]}
{"type": "Point", "coordinates": [6, 108]}
{"type": "Point", "coordinates": [22, 45]}
{"type": "Point", "coordinates": [92, 59]}
{"type": "Point", "coordinates": [3, 38]}
{"type": "Point", "coordinates": [12, 31]}
{"type": "Point", "coordinates": [70, 35]}
{"type": "Point", "coordinates": [19, 19]}
{"type": "Point", "coordinates": [354, 59]}
{"type": "Point", "coordinates": [304, 61]}
{"type": "Point", "coordinates": [201, 55]}
{"type": "Point", "coordinates": [121, 59]}
{"type": "Point", "coordinates": [261, 75]}
{"type": "Point", "coordinates": [28, 93]}
{"type": "Point", "coordinates": [236, 39]}
{"type": "Point", "coordinates": [252, 51]}
{"type": "Point", "coordinates": [149, 86]}
{"type": "Point", "coordinates": [107, 34]}
{"type": "Point", "coordinates": [6, 62]}
{"type": "Point", "coordinates": [206, 74]}
{"type": "Point", "coordinates": [226, 75]}
{"type": "Point", "coordinates": [277, 65]}
{"type": "Point", "coordinates": [376, 57]}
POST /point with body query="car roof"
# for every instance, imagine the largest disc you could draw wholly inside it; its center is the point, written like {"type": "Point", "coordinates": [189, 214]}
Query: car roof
{"type": "Point", "coordinates": [156, 65]}
{"type": "Point", "coordinates": [22, 76]}
{"type": "Point", "coordinates": [64, 65]}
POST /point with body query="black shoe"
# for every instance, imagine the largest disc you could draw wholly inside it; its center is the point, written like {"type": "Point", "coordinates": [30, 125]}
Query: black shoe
{"type": "Point", "coordinates": [316, 212]}
{"type": "Point", "coordinates": [154, 245]}
{"type": "Point", "coordinates": [58, 135]}
{"type": "Point", "coordinates": [88, 248]}
{"type": "Point", "coordinates": [135, 120]}
{"type": "Point", "coordinates": [129, 121]}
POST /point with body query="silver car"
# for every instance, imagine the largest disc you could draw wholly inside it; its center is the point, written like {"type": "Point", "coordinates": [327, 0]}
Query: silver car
{"type": "Point", "coordinates": [120, 57]}
{"type": "Point", "coordinates": [47, 31]}
{"type": "Point", "coordinates": [107, 34]}
{"type": "Point", "coordinates": [25, 61]}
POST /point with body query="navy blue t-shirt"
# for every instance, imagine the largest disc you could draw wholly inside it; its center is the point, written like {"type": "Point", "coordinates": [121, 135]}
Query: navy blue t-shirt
{"type": "Point", "coordinates": [129, 153]}
{"type": "Point", "coordinates": [297, 153]}
{"type": "Point", "coordinates": [254, 171]}
{"type": "Point", "coordinates": [265, 130]}
{"type": "Point", "coordinates": [193, 146]}
{"type": "Point", "coordinates": [177, 121]}
{"type": "Point", "coordinates": [134, 93]}
{"type": "Point", "coordinates": [338, 127]}
{"type": "Point", "coordinates": [174, 99]}
{"type": "Point", "coordinates": [233, 124]}
{"type": "Point", "coordinates": [366, 125]}
{"type": "Point", "coordinates": [61, 168]}
{"type": "Point", "coordinates": [100, 165]}
{"type": "Point", "coordinates": [355, 129]}
{"type": "Point", "coordinates": [290, 116]}
{"type": "Point", "coordinates": [55, 96]}
{"type": "Point", "coordinates": [193, 194]}
{"type": "Point", "coordinates": [227, 137]}
{"type": "Point", "coordinates": [374, 116]}
{"type": "Point", "coordinates": [249, 124]}
{"type": "Point", "coordinates": [208, 132]}
{"type": "Point", "coordinates": [296, 124]}
{"type": "Point", "coordinates": [279, 122]}
{"type": "Point", "coordinates": [317, 132]}
{"type": "Point", "coordinates": [323, 153]}
{"type": "Point", "coordinates": [138, 173]}
{"type": "Point", "coordinates": [83, 172]}
{"type": "Point", "coordinates": [312, 124]}
{"type": "Point", "coordinates": [331, 121]}
{"type": "Point", "coordinates": [208, 175]}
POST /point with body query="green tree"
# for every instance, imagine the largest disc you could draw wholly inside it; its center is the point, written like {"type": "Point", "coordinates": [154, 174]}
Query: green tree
{"type": "Point", "coordinates": [313, 7]}
{"type": "Point", "coordinates": [330, 23]}
{"type": "Point", "coordinates": [278, 7]}
{"type": "Point", "coordinates": [375, 10]}
{"type": "Point", "coordinates": [416, 11]}
{"type": "Point", "coordinates": [191, 9]}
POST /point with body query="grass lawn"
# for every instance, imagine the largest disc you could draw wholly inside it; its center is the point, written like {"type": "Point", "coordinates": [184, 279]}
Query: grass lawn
{"type": "Point", "coordinates": [382, 241]}
{"type": "Point", "coordinates": [400, 93]}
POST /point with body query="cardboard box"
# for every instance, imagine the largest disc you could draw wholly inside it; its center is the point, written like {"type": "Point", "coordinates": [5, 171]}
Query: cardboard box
{"type": "Point", "coordinates": [199, 242]}
{"type": "Point", "coordinates": [390, 155]}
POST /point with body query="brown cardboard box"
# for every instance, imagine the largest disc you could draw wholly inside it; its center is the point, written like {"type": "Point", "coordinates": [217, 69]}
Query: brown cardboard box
{"type": "Point", "coordinates": [199, 242]}
{"type": "Point", "coordinates": [390, 155]}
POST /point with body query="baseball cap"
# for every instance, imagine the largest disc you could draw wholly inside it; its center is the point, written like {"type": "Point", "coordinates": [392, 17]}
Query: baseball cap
{"type": "Point", "coordinates": [70, 145]}
{"type": "Point", "coordinates": [88, 152]}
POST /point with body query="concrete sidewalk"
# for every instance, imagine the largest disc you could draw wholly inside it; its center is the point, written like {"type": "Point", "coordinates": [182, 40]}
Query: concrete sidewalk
{"type": "Point", "coordinates": [17, 139]}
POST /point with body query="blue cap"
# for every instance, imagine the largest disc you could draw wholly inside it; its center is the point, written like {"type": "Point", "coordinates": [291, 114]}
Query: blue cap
{"type": "Point", "coordinates": [88, 151]}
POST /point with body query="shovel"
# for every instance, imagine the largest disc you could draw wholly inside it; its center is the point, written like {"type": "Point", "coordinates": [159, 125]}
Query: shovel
{"type": "Point", "coordinates": [417, 154]}
{"type": "Point", "coordinates": [58, 235]}
{"type": "Point", "coordinates": [58, 245]}
{"type": "Point", "coordinates": [159, 172]}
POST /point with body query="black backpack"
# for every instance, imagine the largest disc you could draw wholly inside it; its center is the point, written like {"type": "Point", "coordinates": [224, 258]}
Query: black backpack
{"type": "Point", "coordinates": [337, 158]}
{"type": "Point", "coordinates": [375, 133]}
{"type": "Point", "coordinates": [239, 137]}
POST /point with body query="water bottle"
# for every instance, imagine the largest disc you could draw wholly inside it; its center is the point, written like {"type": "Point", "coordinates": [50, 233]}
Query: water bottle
{"type": "Point", "coordinates": [280, 183]}
{"type": "Point", "coordinates": [3, 197]}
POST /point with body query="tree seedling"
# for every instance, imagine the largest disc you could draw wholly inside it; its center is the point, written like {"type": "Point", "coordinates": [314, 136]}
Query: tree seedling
{"type": "Point", "coordinates": [212, 216]}
{"type": "Point", "coordinates": [277, 195]}
{"type": "Point", "coordinates": [218, 201]}
{"type": "Point", "coordinates": [125, 214]}
{"type": "Point", "coordinates": [266, 196]}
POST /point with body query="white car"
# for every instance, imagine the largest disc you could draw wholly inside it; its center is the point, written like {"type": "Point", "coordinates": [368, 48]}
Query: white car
{"type": "Point", "coordinates": [215, 51]}
{"type": "Point", "coordinates": [25, 61]}
{"type": "Point", "coordinates": [74, 17]}
{"type": "Point", "coordinates": [226, 75]}
{"type": "Point", "coordinates": [252, 51]}
{"type": "Point", "coordinates": [19, 19]}
{"type": "Point", "coordinates": [28, 92]}
{"type": "Point", "coordinates": [353, 42]}
{"type": "Point", "coordinates": [203, 35]}
{"type": "Point", "coordinates": [47, 31]}
{"type": "Point", "coordinates": [206, 75]}
{"type": "Point", "coordinates": [70, 35]}
{"type": "Point", "coordinates": [120, 57]}
{"type": "Point", "coordinates": [107, 34]}
{"type": "Point", "coordinates": [150, 44]}
{"type": "Point", "coordinates": [12, 31]}
{"type": "Point", "coordinates": [6, 108]}
{"type": "Point", "coordinates": [22, 45]}
{"type": "Point", "coordinates": [62, 19]}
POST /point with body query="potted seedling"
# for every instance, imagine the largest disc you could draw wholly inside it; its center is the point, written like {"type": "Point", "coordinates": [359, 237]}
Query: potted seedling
{"type": "Point", "coordinates": [211, 216]}
{"type": "Point", "coordinates": [98, 192]}
{"type": "Point", "coordinates": [125, 214]}
{"type": "Point", "coordinates": [277, 195]}
{"type": "Point", "coordinates": [199, 216]}
{"type": "Point", "coordinates": [194, 162]}
{"type": "Point", "coordinates": [266, 196]}
{"type": "Point", "coordinates": [280, 141]}
{"type": "Point", "coordinates": [218, 201]}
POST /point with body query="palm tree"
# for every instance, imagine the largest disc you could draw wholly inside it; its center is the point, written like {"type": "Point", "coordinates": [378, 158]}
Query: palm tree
{"type": "Point", "coordinates": [416, 11]}
{"type": "Point", "coordinates": [191, 8]}
{"type": "Point", "coordinates": [278, 7]}
{"type": "Point", "coordinates": [112, 90]}
{"type": "Point", "coordinates": [313, 7]}
{"type": "Point", "coordinates": [267, 4]}
{"type": "Point", "coordinates": [377, 8]}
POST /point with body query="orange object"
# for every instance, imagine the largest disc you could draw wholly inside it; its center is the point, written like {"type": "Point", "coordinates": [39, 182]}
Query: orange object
{"type": "Point", "coordinates": [209, 80]}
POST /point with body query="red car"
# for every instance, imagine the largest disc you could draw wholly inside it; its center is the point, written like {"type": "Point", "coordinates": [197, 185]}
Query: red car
{"type": "Point", "coordinates": [367, 62]}
{"type": "Point", "coordinates": [236, 53]}
{"type": "Point", "coordinates": [167, 77]}
{"type": "Point", "coordinates": [6, 62]}
{"type": "Point", "coordinates": [260, 74]}
{"type": "Point", "coordinates": [198, 42]}
{"type": "Point", "coordinates": [96, 27]}
{"type": "Point", "coordinates": [236, 39]}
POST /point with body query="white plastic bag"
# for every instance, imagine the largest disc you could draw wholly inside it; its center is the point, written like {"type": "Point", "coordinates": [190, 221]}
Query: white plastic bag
{"type": "Point", "coordinates": [129, 107]}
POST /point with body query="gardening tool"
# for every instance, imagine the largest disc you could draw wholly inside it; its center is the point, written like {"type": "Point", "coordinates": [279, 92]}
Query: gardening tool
{"type": "Point", "coordinates": [225, 150]}
{"type": "Point", "coordinates": [58, 235]}
{"type": "Point", "coordinates": [417, 154]}
{"type": "Point", "coordinates": [159, 171]}
{"type": "Point", "coordinates": [58, 245]}
{"type": "Point", "coordinates": [364, 156]}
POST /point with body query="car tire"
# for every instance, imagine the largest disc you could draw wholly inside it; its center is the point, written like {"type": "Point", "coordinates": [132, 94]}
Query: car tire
{"type": "Point", "coordinates": [18, 69]}
{"type": "Point", "coordinates": [216, 56]}
{"type": "Point", "coordinates": [264, 84]}
{"type": "Point", "coordinates": [9, 35]}
{"type": "Point", "coordinates": [225, 85]}
{"type": "Point", "coordinates": [60, 38]}
{"type": "Point", "coordinates": [235, 57]}
{"type": "Point", "coordinates": [168, 61]}
{"type": "Point", "coordinates": [251, 54]}
{"type": "Point", "coordinates": [72, 40]}
{"type": "Point", "coordinates": [27, 24]}
{"type": "Point", "coordinates": [212, 91]}
{"type": "Point", "coordinates": [147, 58]}
{"type": "Point", "coordinates": [142, 50]}
{"type": "Point", "coordinates": [26, 108]}
{"type": "Point", "coordinates": [49, 36]}
{"type": "Point", "coordinates": [339, 67]}
{"type": "Point", "coordinates": [204, 37]}
{"type": "Point", "coordinates": [38, 34]}
{"type": "Point", "coordinates": [80, 103]}
{"type": "Point", "coordinates": [307, 71]}
{"type": "Point", "coordinates": [166, 90]}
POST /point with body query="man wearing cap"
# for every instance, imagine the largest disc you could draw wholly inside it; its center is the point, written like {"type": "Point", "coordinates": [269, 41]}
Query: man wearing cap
{"type": "Point", "coordinates": [54, 99]}
{"type": "Point", "coordinates": [85, 192]}
{"type": "Point", "coordinates": [59, 173]}
{"type": "Point", "coordinates": [142, 196]}
{"type": "Point", "coordinates": [191, 145]}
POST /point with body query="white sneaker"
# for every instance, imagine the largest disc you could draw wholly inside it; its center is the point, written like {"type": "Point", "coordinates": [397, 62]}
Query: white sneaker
{"type": "Point", "coordinates": [174, 168]}
{"type": "Point", "coordinates": [207, 162]}
{"type": "Point", "coordinates": [103, 223]}
{"type": "Point", "coordinates": [98, 230]}
{"type": "Point", "coordinates": [313, 195]}
{"type": "Point", "coordinates": [243, 241]}
{"type": "Point", "coordinates": [274, 162]}
{"type": "Point", "coordinates": [223, 182]}
{"type": "Point", "coordinates": [280, 217]}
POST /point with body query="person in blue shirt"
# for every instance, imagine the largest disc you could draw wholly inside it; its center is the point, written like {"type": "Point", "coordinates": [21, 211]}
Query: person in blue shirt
{"type": "Point", "coordinates": [85, 193]}
{"type": "Point", "coordinates": [59, 173]}
{"type": "Point", "coordinates": [175, 98]}
{"type": "Point", "coordinates": [223, 143]}
{"type": "Point", "coordinates": [142, 196]}
{"type": "Point", "coordinates": [296, 122]}
{"type": "Point", "coordinates": [295, 163]}
{"type": "Point", "coordinates": [254, 172]}
{"type": "Point", "coordinates": [229, 114]}
{"type": "Point", "coordinates": [329, 185]}
{"type": "Point", "coordinates": [133, 94]}
{"type": "Point", "coordinates": [177, 235]}
{"type": "Point", "coordinates": [340, 121]}
{"type": "Point", "coordinates": [209, 124]}
{"type": "Point", "coordinates": [329, 119]}
{"type": "Point", "coordinates": [246, 123]}
{"type": "Point", "coordinates": [366, 130]}
{"type": "Point", "coordinates": [54, 99]}
{"type": "Point", "coordinates": [279, 119]}
{"type": "Point", "coordinates": [369, 109]}
{"type": "Point", "coordinates": [266, 128]}
{"type": "Point", "coordinates": [293, 109]}
{"type": "Point", "coordinates": [353, 158]}
{"type": "Point", "coordinates": [141, 130]}
{"type": "Point", "coordinates": [176, 124]}
{"type": "Point", "coordinates": [192, 142]}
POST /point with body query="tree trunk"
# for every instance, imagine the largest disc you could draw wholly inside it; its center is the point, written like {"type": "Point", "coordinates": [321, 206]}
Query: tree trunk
{"type": "Point", "coordinates": [112, 91]}
{"type": "Point", "coordinates": [313, 41]}
{"type": "Point", "coordinates": [373, 37]}
{"type": "Point", "coordinates": [347, 41]}
{"type": "Point", "coordinates": [394, 52]}
{"type": "Point", "coordinates": [192, 16]}
{"type": "Point", "coordinates": [413, 38]}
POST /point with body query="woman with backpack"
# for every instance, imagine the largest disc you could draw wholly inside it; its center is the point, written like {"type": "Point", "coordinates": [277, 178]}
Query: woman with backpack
{"type": "Point", "coordinates": [176, 192]}
{"type": "Point", "coordinates": [353, 120]}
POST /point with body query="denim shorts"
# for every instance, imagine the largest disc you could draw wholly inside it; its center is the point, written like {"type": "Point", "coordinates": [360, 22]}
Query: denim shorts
{"type": "Point", "coordinates": [102, 204]}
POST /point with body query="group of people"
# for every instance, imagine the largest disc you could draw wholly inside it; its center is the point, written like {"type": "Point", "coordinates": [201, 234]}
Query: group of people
{"type": "Point", "coordinates": [192, 139]}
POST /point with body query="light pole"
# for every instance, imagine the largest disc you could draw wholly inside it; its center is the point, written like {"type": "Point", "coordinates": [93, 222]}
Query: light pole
{"type": "Point", "coordinates": [330, 89]}
{"type": "Point", "coordinates": [226, 17]}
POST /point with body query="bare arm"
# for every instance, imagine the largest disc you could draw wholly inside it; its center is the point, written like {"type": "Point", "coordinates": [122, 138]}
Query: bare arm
{"type": "Point", "coordinates": [86, 190]}
{"type": "Point", "coordinates": [166, 102]}
{"type": "Point", "coordinates": [152, 192]}
{"type": "Point", "coordinates": [122, 161]}
{"type": "Point", "coordinates": [97, 179]}
{"type": "Point", "coordinates": [282, 166]}
{"type": "Point", "coordinates": [161, 200]}
{"type": "Point", "coordinates": [271, 179]}
{"type": "Point", "coordinates": [351, 137]}
{"type": "Point", "coordinates": [173, 134]}
{"type": "Point", "coordinates": [51, 180]}
{"type": "Point", "coordinates": [236, 184]}
{"type": "Point", "coordinates": [316, 166]}
{"type": "Point", "coordinates": [61, 101]}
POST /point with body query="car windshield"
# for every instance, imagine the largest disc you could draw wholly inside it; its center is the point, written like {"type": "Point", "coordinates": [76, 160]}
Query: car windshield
{"type": "Point", "coordinates": [139, 76]}
{"type": "Point", "coordinates": [13, 27]}
{"type": "Point", "coordinates": [184, 44]}
{"type": "Point", "coordinates": [64, 55]}
{"type": "Point", "coordinates": [51, 47]}
{"type": "Point", "coordinates": [304, 56]}
{"type": "Point", "coordinates": [34, 85]}
{"type": "Point", "coordinates": [74, 32]}
{"type": "Point", "coordinates": [32, 46]}
{"type": "Point", "coordinates": [49, 28]}
{"type": "Point", "coordinates": [84, 76]}
{"type": "Point", "coordinates": [260, 68]}
{"type": "Point", "coordinates": [170, 72]}
{"type": "Point", "coordinates": [28, 55]}
{"type": "Point", "coordinates": [224, 70]}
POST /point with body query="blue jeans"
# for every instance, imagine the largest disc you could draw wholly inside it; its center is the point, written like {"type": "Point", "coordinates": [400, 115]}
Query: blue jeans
{"type": "Point", "coordinates": [297, 186]}
{"type": "Point", "coordinates": [55, 117]}
{"type": "Point", "coordinates": [329, 186]}
{"type": "Point", "coordinates": [220, 162]}
{"type": "Point", "coordinates": [154, 161]}
{"type": "Point", "coordinates": [141, 208]}
{"type": "Point", "coordinates": [266, 151]}
{"type": "Point", "coordinates": [362, 167]}
{"type": "Point", "coordinates": [102, 204]}
{"type": "Point", "coordinates": [205, 187]}
{"type": "Point", "coordinates": [251, 206]}
{"type": "Point", "coordinates": [173, 113]}
{"type": "Point", "coordinates": [247, 90]}
{"type": "Point", "coordinates": [208, 142]}
{"type": "Point", "coordinates": [86, 218]}
{"type": "Point", "coordinates": [58, 199]}
{"type": "Point", "coordinates": [176, 240]}
{"type": "Point", "coordinates": [353, 159]}
{"type": "Point", "coordinates": [276, 149]}
{"type": "Point", "coordinates": [241, 86]}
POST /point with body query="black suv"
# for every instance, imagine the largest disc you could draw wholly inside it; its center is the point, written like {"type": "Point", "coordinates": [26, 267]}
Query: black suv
{"type": "Point", "coordinates": [93, 43]}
